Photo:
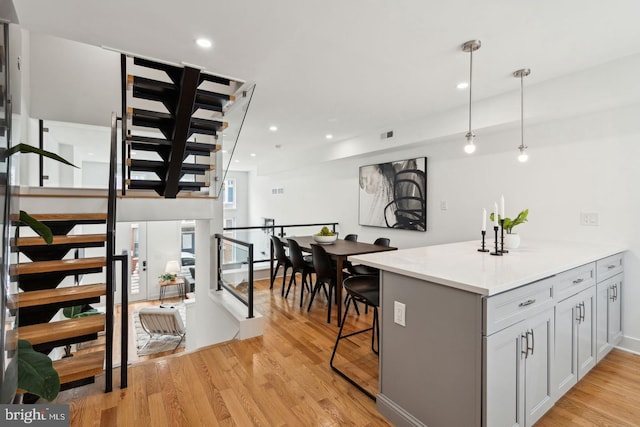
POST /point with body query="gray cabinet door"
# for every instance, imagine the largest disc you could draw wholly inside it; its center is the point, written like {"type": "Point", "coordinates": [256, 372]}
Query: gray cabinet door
{"type": "Point", "coordinates": [586, 327]}
{"type": "Point", "coordinates": [519, 362]}
{"type": "Point", "coordinates": [565, 365]}
{"type": "Point", "coordinates": [608, 315]}
{"type": "Point", "coordinates": [602, 320]}
{"type": "Point", "coordinates": [538, 366]}
{"type": "Point", "coordinates": [504, 392]}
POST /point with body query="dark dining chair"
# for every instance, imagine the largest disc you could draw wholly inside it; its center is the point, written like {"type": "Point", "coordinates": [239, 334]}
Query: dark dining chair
{"type": "Point", "coordinates": [281, 260]}
{"type": "Point", "coordinates": [365, 290]}
{"type": "Point", "coordinates": [299, 265]}
{"type": "Point", "coordinates": [359, 269]}
{"type": "Point", "coordinates": [351, 237]}
{"type": "Point", "coordinates": [325, 276]}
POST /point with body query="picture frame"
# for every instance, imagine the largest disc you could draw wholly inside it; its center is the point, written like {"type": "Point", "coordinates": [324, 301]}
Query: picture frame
{"type": "Point", "coordinates": [394, 194]}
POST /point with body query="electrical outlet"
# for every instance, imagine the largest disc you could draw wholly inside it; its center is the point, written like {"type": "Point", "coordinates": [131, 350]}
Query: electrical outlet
{"type": "Point", "coordinates": [399, 313]}
{"type": "Point", "coordinates": [444, 205]}
{"type": "Point", "coordinates": [589, 219]}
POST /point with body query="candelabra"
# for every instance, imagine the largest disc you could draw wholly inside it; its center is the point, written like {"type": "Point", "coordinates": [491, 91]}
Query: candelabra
{"type": "Point", "coordinates": [502, 249]}
{"type": "Point", "coordinates": [496, 252]}
{"type": "Point", "coordinates": [483, 249]}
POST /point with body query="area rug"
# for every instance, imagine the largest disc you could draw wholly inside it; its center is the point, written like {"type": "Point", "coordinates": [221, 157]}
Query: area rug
{"type": "Point", "coordinates": [157, 344]}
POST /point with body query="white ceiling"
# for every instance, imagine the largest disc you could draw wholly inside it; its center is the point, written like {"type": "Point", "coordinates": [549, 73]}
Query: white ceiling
{"type": "Point", "coordinates": [351, 67]}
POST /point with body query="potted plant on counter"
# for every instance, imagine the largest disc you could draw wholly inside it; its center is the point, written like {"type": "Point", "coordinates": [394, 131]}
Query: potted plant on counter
{"type": "Point", "coordinates": [511, 239]}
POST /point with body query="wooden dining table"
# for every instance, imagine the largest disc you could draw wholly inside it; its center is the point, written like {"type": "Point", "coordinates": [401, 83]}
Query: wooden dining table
{"type": "Point", "coordinates": [339, 251]}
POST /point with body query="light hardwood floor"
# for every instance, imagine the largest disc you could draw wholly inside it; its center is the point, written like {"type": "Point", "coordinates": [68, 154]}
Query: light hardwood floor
{"type": "Point", "coordinates": [284, 378]}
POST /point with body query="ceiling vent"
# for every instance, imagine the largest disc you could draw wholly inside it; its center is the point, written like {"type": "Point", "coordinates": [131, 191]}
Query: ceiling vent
{"type": "Point", "coordinates": [386, 135]}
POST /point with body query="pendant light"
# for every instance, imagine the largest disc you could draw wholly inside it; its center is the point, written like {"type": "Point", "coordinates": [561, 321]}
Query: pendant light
{"type": "Point", "coordinates": [521, 74]}
{"type": "Point", "coordinates": [470, 47]}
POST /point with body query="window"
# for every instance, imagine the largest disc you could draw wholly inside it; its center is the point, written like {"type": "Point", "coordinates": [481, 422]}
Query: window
{"type": "Point", "coordinates": [229, 199]}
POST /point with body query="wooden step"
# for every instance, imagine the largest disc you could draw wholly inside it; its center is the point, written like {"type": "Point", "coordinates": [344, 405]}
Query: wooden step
{"type": "Point", "coordinates": [80, 218]}
{"type": "Point", "coordinates": [66, 265]}
{"type": "Point", "coordinates": [159, 166]}
{"type": "Point", "coordinates": [57, 295]}
{"type": "Point", "coordinates": [145, 143]}
{"type": "Point", "coordinates": [79, 367]}
{"type": "Point", "coordinates": [74, 240]}
{"type": "Point", "coordinates": [62, 330]}
{"type": "Point", "coordinates": [158, 186]}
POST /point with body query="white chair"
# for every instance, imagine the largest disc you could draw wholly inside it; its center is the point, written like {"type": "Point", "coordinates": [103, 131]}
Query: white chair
{"type": "Point", "coordinates": [162, 321]}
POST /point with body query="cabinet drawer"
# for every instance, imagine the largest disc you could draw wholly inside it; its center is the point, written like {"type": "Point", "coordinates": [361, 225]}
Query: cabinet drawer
{"type": "Point", "coordinates": [573, 281]}
{"type": "Point", "coordinates": [509, 307]}
{"type": "Point", "coordinates": [608, 267]}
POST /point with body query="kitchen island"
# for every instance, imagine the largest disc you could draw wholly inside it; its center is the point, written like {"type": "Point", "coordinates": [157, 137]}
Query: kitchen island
{"type": "Point", "coordinates": [491, 340]}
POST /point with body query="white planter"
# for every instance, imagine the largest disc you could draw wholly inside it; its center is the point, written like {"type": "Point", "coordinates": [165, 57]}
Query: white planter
{"type": "Point", "coordinates": [511, 241]}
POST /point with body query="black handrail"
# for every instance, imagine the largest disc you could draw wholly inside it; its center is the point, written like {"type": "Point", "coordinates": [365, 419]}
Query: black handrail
{"type": "Point", "coordinates": [111, 222]}
{"type": "Point", "coordinates": [124, 318]}
{"type": "Point", "coordinates": [249, 301]}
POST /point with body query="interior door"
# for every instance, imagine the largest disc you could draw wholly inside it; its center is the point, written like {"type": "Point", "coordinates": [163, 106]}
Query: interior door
{"type": "Point", "coordinates": [138, 267]}
{"type": "Point", "coordinates": [132, 237]}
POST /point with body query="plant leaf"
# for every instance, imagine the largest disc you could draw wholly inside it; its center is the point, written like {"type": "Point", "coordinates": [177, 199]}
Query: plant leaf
{"type": "Point", "coordinates": [42, 229]}
{"type": "Point", "coordinates": [35, 372]}
{"type": "Point", "coordinates": [26, 148]}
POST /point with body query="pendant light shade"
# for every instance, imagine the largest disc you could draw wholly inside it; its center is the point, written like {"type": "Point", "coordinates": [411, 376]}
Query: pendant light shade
{"type": "Point", "coordinates": [521, 74]}
{"type": "Point", "coordinates": [470, 46]}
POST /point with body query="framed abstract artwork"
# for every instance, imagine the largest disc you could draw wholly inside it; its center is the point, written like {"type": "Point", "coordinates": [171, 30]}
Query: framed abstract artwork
{"type": "Point", "coordinates": [393, 194]}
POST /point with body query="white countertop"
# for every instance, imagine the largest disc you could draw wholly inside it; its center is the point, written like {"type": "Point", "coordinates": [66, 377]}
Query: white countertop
{"type": "Point", "coordinates": [461, 266]}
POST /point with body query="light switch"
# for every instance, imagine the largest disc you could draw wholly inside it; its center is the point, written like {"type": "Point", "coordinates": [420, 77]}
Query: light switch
{"type": "Point", "coordinates": [399, 310]}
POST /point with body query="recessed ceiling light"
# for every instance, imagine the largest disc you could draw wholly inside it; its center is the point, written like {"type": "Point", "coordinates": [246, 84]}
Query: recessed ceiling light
{"type": "Point", "coordinates": [278, 146]}
{"type": "Point", "coordinates": [328, 136]}
{"type": "Point", "coordinates": [91, 154]}
{"type": "Point", "coordinates": [273, 128]}
{"type": "Point", "coordinates": [237, 161]}
{"type": "Point", "coordinates": [462, 85]}
{"type": "Point", "coordinates": [224, 151]}
{"type": "Point", "coordinates": [204, 43]}
{"type": "Point", "coordinates": [253, 154]}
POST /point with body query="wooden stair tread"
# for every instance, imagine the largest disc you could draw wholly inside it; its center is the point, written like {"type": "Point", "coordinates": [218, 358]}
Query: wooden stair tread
{"type": "Point", "coordinates": [155, 165]}
{"type": "Point", "coordinates": [61, 265]}
{"type": "Point", "coordinates": [79, 366]}
{"type": "Point", "coordinates": [66, 217]}
{"type": "Point", "coordinates": [62, 240]}
{"type": "Point", "coordinates": [57, 295]}
{"type": "Point", "coordinates": [61, 330]}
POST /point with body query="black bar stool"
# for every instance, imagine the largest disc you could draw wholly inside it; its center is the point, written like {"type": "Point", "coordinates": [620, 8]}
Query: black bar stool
{"type": "Point", "coordinates": [364, 289]}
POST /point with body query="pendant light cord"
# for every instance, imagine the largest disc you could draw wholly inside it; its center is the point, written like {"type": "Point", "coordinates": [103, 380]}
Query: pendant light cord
{"type": "Point", "coordinates": [522, 111]}
{"type": "Point", "coordinates": [470, 85]}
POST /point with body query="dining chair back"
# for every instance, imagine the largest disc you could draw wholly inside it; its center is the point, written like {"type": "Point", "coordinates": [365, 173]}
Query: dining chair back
{"type": "Point", "coordinates": [351, 237]}
{"type": "Point", "coordinates": [299, 265]}
{"type": "Point", "coordinates": [360, 269]}
{"type": "Point", "coordinates": [281, 260]}
{"type": "Point", "coordinates": [325, 276]}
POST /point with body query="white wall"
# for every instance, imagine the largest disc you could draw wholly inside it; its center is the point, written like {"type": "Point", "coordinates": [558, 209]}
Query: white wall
{"type": "Point", "coordinates": [579, 164]}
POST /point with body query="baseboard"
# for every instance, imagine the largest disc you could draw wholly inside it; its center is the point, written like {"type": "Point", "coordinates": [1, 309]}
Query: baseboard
{"type": "Point", "coordinates": [396, 414]}
{"type": "Point", "coordinates": [629, 344]}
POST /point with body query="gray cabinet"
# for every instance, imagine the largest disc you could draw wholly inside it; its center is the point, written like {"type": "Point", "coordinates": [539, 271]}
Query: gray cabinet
{"type": "Point", "coordinates": [608, 321]}
{"type": "Point", "coordinates": [519, 389]}
{"type": "Point", "coordinates": [575, 346]}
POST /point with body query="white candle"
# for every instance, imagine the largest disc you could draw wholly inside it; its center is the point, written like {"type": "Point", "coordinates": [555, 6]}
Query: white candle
{"type": "Point", "coordinates": [495, 214]}
{"type": "Point", "coordinates": [502, 207]}
{"type": "Point", "coordinates": [484, 219]}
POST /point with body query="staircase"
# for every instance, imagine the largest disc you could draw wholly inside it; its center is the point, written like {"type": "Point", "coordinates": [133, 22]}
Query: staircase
{"type": "Point", "coordinates": [174, 119]}
{"type": "Point", "coordinates": [41, 278]}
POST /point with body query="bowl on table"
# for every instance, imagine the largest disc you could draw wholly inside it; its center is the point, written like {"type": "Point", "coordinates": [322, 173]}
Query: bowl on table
{"type": "Point", "coordinates": [325, 240]}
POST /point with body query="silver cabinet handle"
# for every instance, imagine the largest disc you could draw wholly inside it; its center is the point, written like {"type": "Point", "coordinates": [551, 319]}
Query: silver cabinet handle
{"type": "Point", "coordinates": [578, 313]}
{"type": "Point", "coordinates": [525, 348]}
{"type": "Point", "coordinates": [575, 282]}
{"type": "Point", "coordinates": [612, 266]}
{"type": "Point", "coordinates": [526, 303]}
{"type": "Point", "coordinates": [532, 341]}
{"type": "Point", "coordinates": [614, 293]}
{"type": "Point", "coordinates": [583, 310]}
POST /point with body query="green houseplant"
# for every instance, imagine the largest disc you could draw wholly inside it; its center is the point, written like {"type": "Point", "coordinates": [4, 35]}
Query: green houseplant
{"type": "Point", "coordinates": [511, 239]}
{"type": "Point", "coordinates": [509, 223]}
